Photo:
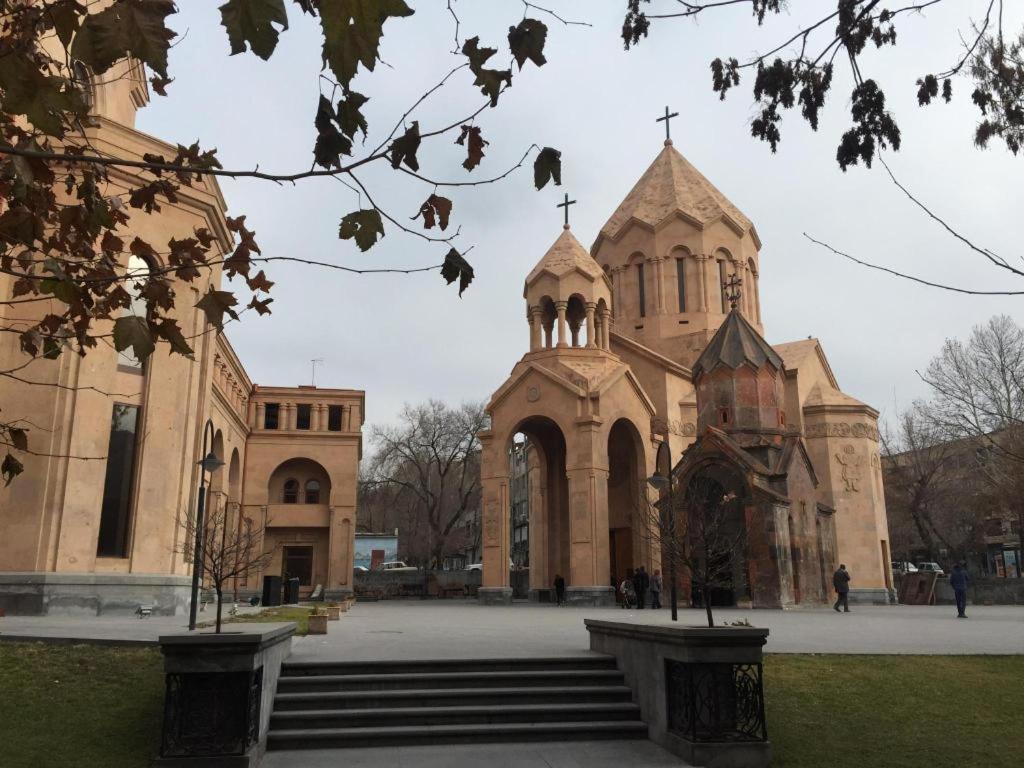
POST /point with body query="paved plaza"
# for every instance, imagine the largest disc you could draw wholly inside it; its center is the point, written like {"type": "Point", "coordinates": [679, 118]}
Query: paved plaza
{"type": "Point", "coordinates": [463, 629]}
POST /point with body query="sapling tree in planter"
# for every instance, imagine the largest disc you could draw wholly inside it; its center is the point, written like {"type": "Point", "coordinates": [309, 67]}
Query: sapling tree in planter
{"type": "Point", "coordinates": [231, 547]}
{"type": "Point", "coordinates": [704, 533]}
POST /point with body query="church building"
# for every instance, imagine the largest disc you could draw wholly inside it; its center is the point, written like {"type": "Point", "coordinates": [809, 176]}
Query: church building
{"type": "Point", "coordinates": [98, 522]}
{"type": "Point", "coordinates": [653, 335]}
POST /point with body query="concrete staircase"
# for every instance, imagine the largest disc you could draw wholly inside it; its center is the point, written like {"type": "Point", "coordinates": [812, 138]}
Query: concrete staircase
{"type": "Point", "coordinates": [390, 703]}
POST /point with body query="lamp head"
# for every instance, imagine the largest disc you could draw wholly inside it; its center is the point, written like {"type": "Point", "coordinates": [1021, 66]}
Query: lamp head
{"type": "Point", "coordinates": [658, 481]}
{"type": "Point", "coordinates": [211, 463]}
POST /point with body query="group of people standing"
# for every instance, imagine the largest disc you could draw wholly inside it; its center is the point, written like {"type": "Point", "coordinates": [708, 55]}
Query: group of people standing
{"type": "Point", "coordinates": [634, 588]}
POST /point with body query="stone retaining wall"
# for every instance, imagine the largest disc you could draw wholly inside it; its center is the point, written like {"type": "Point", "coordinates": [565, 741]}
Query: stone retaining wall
{"type": "Point", "coordinates": [385, 585]}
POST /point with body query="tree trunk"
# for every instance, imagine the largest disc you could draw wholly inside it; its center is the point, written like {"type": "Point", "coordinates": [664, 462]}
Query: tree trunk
{"type": "Point", "coordinates": [220, 603]}
{"type": "Point", "coordinates": [707, 607]}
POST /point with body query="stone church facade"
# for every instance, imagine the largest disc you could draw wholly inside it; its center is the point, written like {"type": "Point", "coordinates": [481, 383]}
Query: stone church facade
{"type": "Point", "coordinates": [636, 342]}
{"type": "Point", "coordinates": [106, 532]}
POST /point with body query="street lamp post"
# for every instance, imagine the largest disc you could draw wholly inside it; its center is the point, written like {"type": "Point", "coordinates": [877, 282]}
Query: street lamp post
{"type": "Point", "coordinates": [209, 463]}
{"type": "Point", "coordinates": [661, 478]}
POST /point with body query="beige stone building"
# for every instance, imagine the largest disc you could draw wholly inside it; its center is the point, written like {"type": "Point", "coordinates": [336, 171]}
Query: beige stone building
{"type": "Point", "coordinates": [636, 341]}
{"type": "Point", "coordinates": [97, 520]}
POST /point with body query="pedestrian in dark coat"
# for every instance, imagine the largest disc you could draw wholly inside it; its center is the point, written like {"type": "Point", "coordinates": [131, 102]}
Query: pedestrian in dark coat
{"type": "Point", "coordinates": [559, 589]}
{"type": "Point", "coordinates": [641, 581]}
{"type": "Point", "coordinates": [841, 581]}
{"type": "Point", "coordinates": [656, 590]}
{"type": "Point", "coordinates": [959, 580]}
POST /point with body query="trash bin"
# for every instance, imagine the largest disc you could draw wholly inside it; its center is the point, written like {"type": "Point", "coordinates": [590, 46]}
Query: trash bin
{"type": "Point", "coordinates": [292, 591]}
{"type": "Point", "coordinates": [271, 590]}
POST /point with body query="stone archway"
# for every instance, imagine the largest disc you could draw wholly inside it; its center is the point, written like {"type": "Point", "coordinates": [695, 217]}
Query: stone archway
{"type": "Point", "coordinates": [626, 495]}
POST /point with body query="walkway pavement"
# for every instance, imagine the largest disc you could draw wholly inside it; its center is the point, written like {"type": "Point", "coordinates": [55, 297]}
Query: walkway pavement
{"type": "Point", "coordinates": [573, 754]}
{"type": "Point", "coordinates": [455, 628]}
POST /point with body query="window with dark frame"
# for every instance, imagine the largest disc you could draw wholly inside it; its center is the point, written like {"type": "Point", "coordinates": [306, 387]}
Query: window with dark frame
{"type": "Point", "coordinates": [641, 292]}
{"type": "Point", "coordinates": [721, 282]}
{"type": "Point", "coordinates": [312, 491]}
{"type": "Point", "coordinates": [271, 415]}
{"type": "Point", "coordinates": [681, 283]}
{"type": "Point", "coordinates": [334, 418]}
{"type": "Point", "coordinates": [290, 495]}
{"type": "Point", "coordinates": [303, 415]}
{"type": "Point", "coordinates": [297, 562]}
{"type": "Point", "coordinates": [116, 509]}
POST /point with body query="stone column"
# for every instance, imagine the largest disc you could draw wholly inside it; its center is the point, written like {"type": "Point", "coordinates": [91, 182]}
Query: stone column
{"type": "Point", "coordinates": [756, 296]}
{"type": "Point", "coordinates": [561, 306]}
{"type": "Point", "coordinates": [702, 268]}
{"type": "Point", "coordinates": [533, 314]}
{"type": "Point", "coordinates": [591, 340]}
{"type": "Point", "coordinates": [316, 411]}
{"type": "Point", "coordinates": [606, 329]}
{"type": "Point", "coordinates": [289, 417]}
{"type": "Point", "coordinates": [617, 287]}
{"type": "Point", "coordinates": [261, 410]}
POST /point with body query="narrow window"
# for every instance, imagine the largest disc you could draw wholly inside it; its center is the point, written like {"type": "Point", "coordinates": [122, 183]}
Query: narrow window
{"type": "Point", "coordinates": [271, 414]}
{"type": "Point", "coordinates": [135, 276]}
{"type": "Point", "coordinates": [334, 418]}
{"type": "Point", "coordinates": [724, 415]}
{"type": "Point", "coordinates": [297, 562]}
{"type": "Point", "coordinates": [115, 514]}
{"type": "Point", "coordinates": [312, 491]}
{"type": "Point", "coordinates": [721, 282]}
{"type": "Point", "coordinates": [291, 492]}
{"type": "Point", "coordinates": [640, 286]}
{"type": "Point", "coordinates": [681, 283]}
{"type": "Point", "coordinates": [303, 414]}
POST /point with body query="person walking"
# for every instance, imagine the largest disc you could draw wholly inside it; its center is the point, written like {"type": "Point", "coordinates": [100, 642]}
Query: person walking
{"type": "Point", "coordinates": [959, 580]}
{"type": "Point", "coordinates": [559, 589]}
{"type": "Point", "coordinates": [641, 581]}
{"type": "Point", "coordinates": [656, 589]}
{"type": "Point", "coordinates": [841, 581]}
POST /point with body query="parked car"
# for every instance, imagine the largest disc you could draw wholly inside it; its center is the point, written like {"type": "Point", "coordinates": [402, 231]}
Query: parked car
{"type": "Point", "coordinates": [395, 565]}
{"type": "Point", "coordinates": [931, 568]}
{"type": "Point", "coordinates": [361, 569]}
{"type": "Point", "coordinates": [902, 567]}
{"type": "Point", "coordinates": [480, 566]}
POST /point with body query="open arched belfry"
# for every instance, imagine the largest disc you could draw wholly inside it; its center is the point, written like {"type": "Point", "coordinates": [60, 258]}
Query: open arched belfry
{"type": "Point", "coordinates": [641, 340]}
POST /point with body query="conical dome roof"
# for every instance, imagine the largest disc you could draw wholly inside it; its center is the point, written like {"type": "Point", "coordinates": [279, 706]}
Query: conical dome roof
{"type": "Point", "coordinates": [672, 184]}
{"type": "Point", "coordinates": [564, 256]}
{"type": "Point", "coordinates": [735, 343]}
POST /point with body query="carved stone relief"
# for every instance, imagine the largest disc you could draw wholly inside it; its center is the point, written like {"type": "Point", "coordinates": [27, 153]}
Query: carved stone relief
{"type": "Point", "coordinates": [842, 429]}
{"type": "Point", "coordinates": [851, 463]}
{"type": "Point", "coordinates": [491, 524]}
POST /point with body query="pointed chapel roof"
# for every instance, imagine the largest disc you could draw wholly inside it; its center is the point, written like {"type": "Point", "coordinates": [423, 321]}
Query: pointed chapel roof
{"type": "Point", "coordinates": [564, 256]}
{"type": "Point", "coordinates": [735, 343]}
{"type": "Point", "coordinates": [672, 184]}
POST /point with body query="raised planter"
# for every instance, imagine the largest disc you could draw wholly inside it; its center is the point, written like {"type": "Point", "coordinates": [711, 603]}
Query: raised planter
{"type": "Point", "coordinates": [318, 624]}
{"type": "Point", "coordinates": [219, 689]}
{"type": "Point", "coordinates": [700, 689]}
{"type": "Point", "coordinates": [333, 612]}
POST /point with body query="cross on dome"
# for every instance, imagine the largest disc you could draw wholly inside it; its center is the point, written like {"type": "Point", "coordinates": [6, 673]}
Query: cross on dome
{"type": "Point", "coordinates": [732, 290]}
{"type": "Point", "coordinates": [566, 205]}
{"type": "Point", "coordinates": [666, 119]}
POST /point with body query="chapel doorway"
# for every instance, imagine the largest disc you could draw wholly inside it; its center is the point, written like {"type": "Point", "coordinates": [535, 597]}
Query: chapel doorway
{"type": "Point", "coordinates": [716, 538]}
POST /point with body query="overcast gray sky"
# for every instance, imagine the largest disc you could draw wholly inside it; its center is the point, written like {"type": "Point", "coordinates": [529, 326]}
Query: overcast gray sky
{"type": "Point", "coordinates": [408, 338]}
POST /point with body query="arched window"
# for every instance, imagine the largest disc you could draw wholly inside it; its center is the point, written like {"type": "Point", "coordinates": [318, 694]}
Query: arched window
{"type": "Point", "coordinates": [681, 282]}
{"type": "Point", "coordinates": [291, 492]}
{"type": "Point", "coordinates": [138, 269]}
{"type": "Point", "coordinates": [722, 288]}
{"type": "Point", "coordinates": [641, 297]}
{"type": "Point", "coordinates": [312, 491]}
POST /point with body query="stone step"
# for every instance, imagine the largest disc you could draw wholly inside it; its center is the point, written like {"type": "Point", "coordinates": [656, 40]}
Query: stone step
{"type": "Point", "coordinates": [447, 697]}
{"type": "Point", "coordinates": [447, 680]}
{"type": "Point", "coordinates": [455, 734]}
{"type": "Point", "coordinates": [454, 715]}
{"type": "Point", "coordinates": [591, 661]}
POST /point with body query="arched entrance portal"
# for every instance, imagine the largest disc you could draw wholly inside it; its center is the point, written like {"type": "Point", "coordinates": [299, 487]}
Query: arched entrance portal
{"type": "Point", "coordinates": [545, 486]}
{"type": "Point", "coordinates": [625, 496]}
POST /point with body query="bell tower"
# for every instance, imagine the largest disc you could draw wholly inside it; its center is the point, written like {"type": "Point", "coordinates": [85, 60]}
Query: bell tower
{"type": "Point", "coordinates": [669, 249]}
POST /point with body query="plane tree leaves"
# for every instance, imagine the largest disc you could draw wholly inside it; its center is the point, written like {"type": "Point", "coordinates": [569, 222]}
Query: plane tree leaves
{"type": "Point", "coordinates": [490, 81]}
{"type": "Point", "coordinates": [435, 212]}
{"type": "Point", "coordinates": [10, 468]}
{"type": "Point", "coordinates": [404, 148]}
{"type": "Point", "coordinates": [336, 128]}
{"type": "Point", "coordinates": [546, 167]}
{"type": "Point", "coordinates": [126, 28]}
{"type": "Point", "coordinates": [527, 42]}
{"type": "Point", "coordinates": [474, 143]}
{"type": "Point", "coordinates": [215, 304]}
{"type": "Point", "coordinates": [352, 32]}
{"type": "Point", "coordinates": [455, 267]}
{"type": "Point", "coordinates": [363, 226]}
{"type": "Point", "coordinates": [251, 22]}
{"type": "Point", "coordinates": [133, 331]}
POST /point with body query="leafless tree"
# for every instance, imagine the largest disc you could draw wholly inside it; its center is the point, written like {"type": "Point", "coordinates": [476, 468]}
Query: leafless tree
{"type": "Point", "coordinates": [705, 534]}
{"type": "Point", "coordinates": [231, 547]}
{"type": "Point", "coordinates": [432, 460]}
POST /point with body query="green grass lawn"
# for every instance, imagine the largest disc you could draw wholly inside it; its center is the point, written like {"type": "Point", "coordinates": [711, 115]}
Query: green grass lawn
{"type": "Point", "coordinates": [100, 707]}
